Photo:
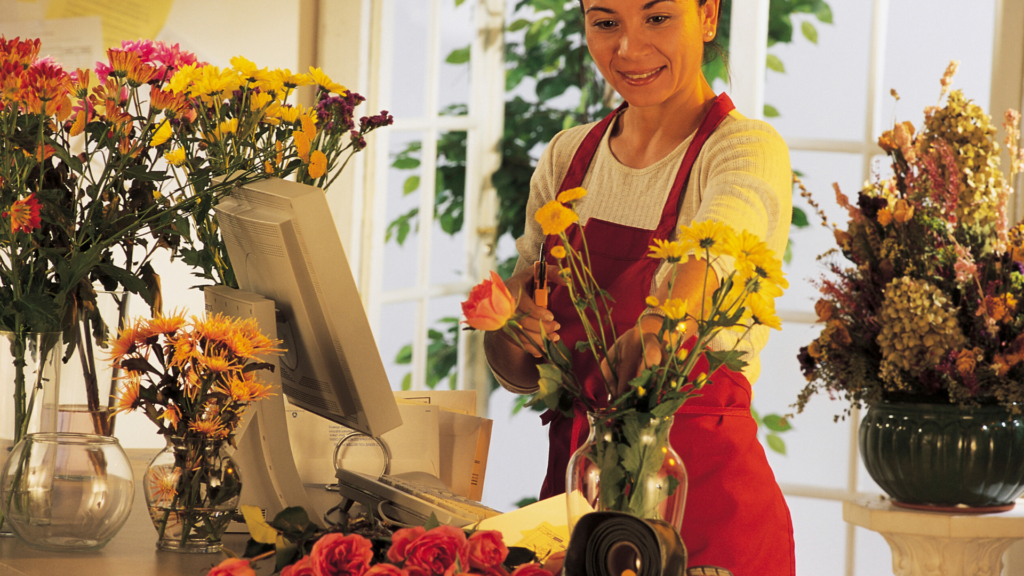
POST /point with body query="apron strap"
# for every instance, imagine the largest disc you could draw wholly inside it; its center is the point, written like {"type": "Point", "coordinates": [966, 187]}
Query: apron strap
{"type": "Point", "coordinates": [585, 153]}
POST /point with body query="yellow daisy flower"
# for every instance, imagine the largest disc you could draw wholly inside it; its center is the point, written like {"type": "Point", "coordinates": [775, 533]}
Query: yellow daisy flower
{"type": "Point", "coordinates": [161, 133]}
{"type": "Point", "coordinates": [675, 308]}
{"type": "Point", "coordinates": [176, 157]}
{"type": "Point", "coordinates": [571, 195]}
{"type": "Point", "coordinates": [554, 218]}
{"type": "Point", "coordinates": [325, 83]}
{"type": "Point", "coordinates": [558, 252]}
{"type": "Point", "coordinates": [652, 301]}
{"type": "Point", "coordinates": [763, 313]}
{"type": "Point", "coordinates": [710, 235]}
{"type": "Point", "coordinates": [183, 78]}
{"type": "Point", "coordinates": [674, 252]}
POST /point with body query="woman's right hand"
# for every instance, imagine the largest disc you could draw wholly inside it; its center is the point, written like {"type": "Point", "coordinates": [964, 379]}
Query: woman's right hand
{"type": "Point", "coordinates": [534, 316]}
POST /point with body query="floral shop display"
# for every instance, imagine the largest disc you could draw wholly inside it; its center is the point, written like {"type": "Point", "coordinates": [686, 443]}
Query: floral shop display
{"type": "Point", "coordinates": [194, 379]}
{"type": "Point", "coordinates": [102, 169]}
{"type": "Point", "coordinates": [922, 312]}
{"type": "Point", "coordinates": [627, 464]}
{"type": "Point", "coordinates": [363, 547]}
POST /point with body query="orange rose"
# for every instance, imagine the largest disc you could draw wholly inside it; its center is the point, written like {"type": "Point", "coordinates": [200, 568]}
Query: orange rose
{"type": "Point", "coordinates": [486, 549]}
{"type": "Point", "coordinates": [490, 305]}
{"type": "Point", "coordinates": [233, 567]}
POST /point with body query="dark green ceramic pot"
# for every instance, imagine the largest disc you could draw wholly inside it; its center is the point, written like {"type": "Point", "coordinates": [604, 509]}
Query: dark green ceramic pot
{"type": "Point", "coordinates": [944, 455]}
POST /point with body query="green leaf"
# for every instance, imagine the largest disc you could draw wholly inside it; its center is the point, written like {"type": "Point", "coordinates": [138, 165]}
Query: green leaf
{"type": "Point", "coordinates": [286, 551]}
{"type": "Point", "coordinates": [405, 163]}
{"type": "Point", "coordinates": [432, 522]}
{"type": "Point", "coordinates": [776, 423]}
{"type": "Point", "coordinates": [258, 528]}
{"type": "Point", "coordinates": [549, 386]}
{"type": "Point", "coordinates": [460, 56]}
{"type": "Point", "coordinates": [731, 359]}
{"type": "Point", "coordinates": [809, 31]}
{"type": "Point", "coordinates": [824, 13]}
{"type": "Point", "coordinates": [757, 417]}
{"type": "Point", "coordinates": [776, 443]}
{"type": "Point", "coordinates": [459, 3]}
{"type": "Point", "coordinates": [787, 256]}
{"type": "Point", "coordinates": [773, 63]}
{"type": "Point", "coordinates": [407, 382]}
{"type": "Point", "coordinates": [404, 355]}
{"type": "Point", "coordinates": [518, 25]}
{"type": "Point", "coordinates": [770, 111]}
{"type": "Point", "coordinates": [292, 520]}
{"type": "Point", "coordinates": [800, 218]}
{"type": "Point", "coordinates": [411, 184]}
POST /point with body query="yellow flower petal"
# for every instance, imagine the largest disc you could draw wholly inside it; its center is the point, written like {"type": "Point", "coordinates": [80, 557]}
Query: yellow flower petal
{"type": "Point", "coordinates": [571, 195]}
{"type": "Point", "coordinates": [317, 164]}
{"type": "Point", "coordinates": [554, 218]}
{"type": "Point", "coordinates": [162, 134]}
{"type": "Point", "coordinates": [652, 301]}
{"type": "Point", "coordinates": [558, 252]}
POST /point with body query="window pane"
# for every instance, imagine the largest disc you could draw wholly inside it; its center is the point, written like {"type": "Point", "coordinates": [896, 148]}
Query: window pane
{"type": "Point", "coordinates": [820, 535]}
{"type": "Point", "coordinates": [443, 331]}
{"type": "Point", "coordinates": [458, 29]}
{"type": "Point", "coordinates": [448, 250]}
{"type": "Point", "coordinates": [823, 93]}
{"type": "Point", "coordinates": [873, 554]}
{"type": "Point", "coordinates": [517, 469]}
{"type": "Point", "coordinates": [915, 72]}
{"type": "Point", "coordinates": [820, 170]}
{"type": "Point", "coordinates": [397, 323]}
{"type": "Point", "coordinates": [401, 250]}
{"type": "Point", "coordinates": [409, 57]}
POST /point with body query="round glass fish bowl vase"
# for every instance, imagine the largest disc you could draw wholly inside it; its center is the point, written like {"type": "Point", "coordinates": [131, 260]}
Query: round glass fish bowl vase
{"type": "Point", "coordinates": [192, 488]}
{"type": "Point", "coordinates": [67, 491]}
{"type": "Point", "coordinates": [627, 465]}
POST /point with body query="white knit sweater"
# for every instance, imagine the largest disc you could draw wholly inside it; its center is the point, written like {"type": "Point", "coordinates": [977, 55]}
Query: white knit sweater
{"type": "Point", "coordinates": [742, 177]}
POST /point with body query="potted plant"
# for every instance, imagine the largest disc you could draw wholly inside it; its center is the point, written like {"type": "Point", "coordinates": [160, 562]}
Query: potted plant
{"type": "Point", "coordinates": [926, 326]}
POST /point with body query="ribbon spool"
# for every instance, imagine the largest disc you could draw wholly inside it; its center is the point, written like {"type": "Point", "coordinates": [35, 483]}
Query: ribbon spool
{"type": "Point", "coordinates": [618, 544]}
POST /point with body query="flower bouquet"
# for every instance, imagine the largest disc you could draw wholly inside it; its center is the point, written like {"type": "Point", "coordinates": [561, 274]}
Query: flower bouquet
{"type": "Point", "coordinates": [303, 550]}
{"type": "Point", "coordinates": [630, 430]}
{"type": "Point", "coordinates": [240, 116]}
{"type": "Point", "coordinates": [194, 379]}
{"type": "Point", "coordinates": [930, 308]}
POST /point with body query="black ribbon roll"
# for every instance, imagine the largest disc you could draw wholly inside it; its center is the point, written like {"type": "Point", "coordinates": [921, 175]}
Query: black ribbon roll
{"type": "Point", "coordinates": [618, 544]}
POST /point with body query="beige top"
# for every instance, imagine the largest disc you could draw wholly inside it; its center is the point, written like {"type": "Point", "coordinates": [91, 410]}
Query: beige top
{"type": "Point", "coordinates": [742, 177]}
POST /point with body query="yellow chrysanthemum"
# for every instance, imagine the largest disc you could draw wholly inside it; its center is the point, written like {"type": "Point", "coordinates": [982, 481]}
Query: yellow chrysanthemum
{"type": "Point", "coordinates": [248, 70]}
{"type": "Point", "coordinates": [710, 235]}
{"type": "Point", "coordinates": [161, 134]}
{"type": "Point", "coordinates": [127, 400]}
{"type": "Point", "coordinates": [260, 100]}
{"type": "Point", "coordinates": [675, 308]}
{"type": "Point", "coordinates": [212, 428]}
{"type": "Point", "coordinates": [159, 325]}
{"type": "Point", "coordinates": [214, 82]}
{"type": "Point", "coordinates": [183, 78]}
{"type": "Point", "coordinates": [554, 218]}
{"type": "Point", "coordinates": [763, 313]}
{"type": "Point", "coordinates": [674, 252]}
{"type": "Point", "coordinates": [325, 83]}
{"type": "Point", "coordinates": [308, 123]}
{"type": "Point", "coordinates": [302, 145]}
{"type": "Point", "coordinates": [289, 80]}
{"type": "Point", "coordinates": [317, 164]}
{"type": "Point", "coordinates": [571, 195]}
{"type": "Point", "coordinates": [176, 157]}
{"type": "Point", "coordinates": [558, 252]}
{"type": "Point", "coordinates": [217, 363]}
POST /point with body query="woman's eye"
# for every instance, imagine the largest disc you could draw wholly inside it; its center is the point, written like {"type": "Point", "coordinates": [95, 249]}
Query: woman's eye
{"type": "Point", "coordinates": [604, 24]}
{"type": "Point", "coordinates": [658, 19]}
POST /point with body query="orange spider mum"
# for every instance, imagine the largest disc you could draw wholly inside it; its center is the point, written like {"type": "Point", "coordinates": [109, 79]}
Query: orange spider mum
{"type": "Point", "coordinates": [160, 325]}
{"type": "Point", "coordinates": [163, 483]}
{"type": "Point", "coordinates": [18, 51]}
{"type": "Point", "coordinates": [126, 342]}
{"type": "Point", "coordinates": [171, 415]}
{"type": "Point", "coordinates": [128, 399]}
{"type": "Point", "coordinates": [216, 328]}
{"type": "Point", "coordinates": [217, 363]}
{"type": "Point", "coordinates": [24, 214]}
{"type": "Point", "coordinates": [210, 428]}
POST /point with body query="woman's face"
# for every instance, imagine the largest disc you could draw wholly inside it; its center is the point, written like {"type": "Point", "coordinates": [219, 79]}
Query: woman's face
{"type": "Point", "coordinates": [650, 50]}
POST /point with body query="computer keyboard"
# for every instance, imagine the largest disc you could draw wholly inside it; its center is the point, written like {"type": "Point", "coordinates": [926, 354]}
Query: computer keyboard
{"type": "Point", "coordinates": [408, 502]}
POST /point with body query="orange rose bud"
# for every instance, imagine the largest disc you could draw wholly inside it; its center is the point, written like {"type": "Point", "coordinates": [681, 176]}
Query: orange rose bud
{"type": "Point", "coordinates": [490, 305]}
{"type": "Point", "coordinates": [902, 211]}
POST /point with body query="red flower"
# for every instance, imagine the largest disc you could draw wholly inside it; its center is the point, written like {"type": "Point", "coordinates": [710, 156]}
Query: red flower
{"type": "Point", "coordinates": [24, 214]}
{"type": "Point", "coordinates": [490, 304]}
{"type": "Point", "coordinates": [339, 555]}
{"type": "Point", "coordinates": [303, 567]}
{"type": "Point", "coordinates": [533, 569]}
{"type": "Point", "coordinates": [232, 567]}
{"type": "Point", "coordinates": [437, 550]}
{"type": "Point", "coordinates": [384, 570]}
{"type": "Point", "coordinates": [400, 540]}
{"type": "Point", "coordinates": [486, 549]}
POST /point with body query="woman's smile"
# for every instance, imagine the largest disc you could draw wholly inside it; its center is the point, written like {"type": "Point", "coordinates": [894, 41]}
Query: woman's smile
{"type": "Point", "coordinates": [641, 77]}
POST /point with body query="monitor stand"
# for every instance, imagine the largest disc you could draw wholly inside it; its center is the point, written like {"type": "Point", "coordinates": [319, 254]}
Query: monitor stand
{"type": "Point", "coordinates": [270, 479]}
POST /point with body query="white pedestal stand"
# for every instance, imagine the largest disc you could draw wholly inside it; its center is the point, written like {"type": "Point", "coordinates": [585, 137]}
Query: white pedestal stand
{"type": "Point", "coordinates": [937, 543]}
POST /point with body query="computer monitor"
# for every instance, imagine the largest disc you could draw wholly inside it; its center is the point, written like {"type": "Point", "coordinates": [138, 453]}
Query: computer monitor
{"type": "Point", "coordinates": [284, 246]}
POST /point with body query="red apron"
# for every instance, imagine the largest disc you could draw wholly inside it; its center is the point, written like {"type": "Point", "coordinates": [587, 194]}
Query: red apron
{"type": "Point", "coordinates": [736, 517]}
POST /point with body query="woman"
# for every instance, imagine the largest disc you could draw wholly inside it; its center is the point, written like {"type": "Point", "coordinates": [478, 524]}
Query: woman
{"type": "Point", "coordinates": [675, 153]}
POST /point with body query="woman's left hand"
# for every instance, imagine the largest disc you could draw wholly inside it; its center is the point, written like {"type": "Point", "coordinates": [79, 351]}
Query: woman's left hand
{"type": "Point", "coordinates": [633, 352]}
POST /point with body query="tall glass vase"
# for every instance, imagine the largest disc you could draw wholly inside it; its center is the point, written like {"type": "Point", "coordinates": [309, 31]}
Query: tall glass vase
{"type": "Point", "coordinates": [192, 488]}
{"type": "Point", "coordinates": [89, 382]}
{"type": "Point", "coordinates": [627, 465]}
{"type": "Point", "coordinates": [29, 377]}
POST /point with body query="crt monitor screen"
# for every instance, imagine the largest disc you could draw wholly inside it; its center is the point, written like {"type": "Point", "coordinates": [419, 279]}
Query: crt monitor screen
{"type": "Point", "coordinates": [284, 246]}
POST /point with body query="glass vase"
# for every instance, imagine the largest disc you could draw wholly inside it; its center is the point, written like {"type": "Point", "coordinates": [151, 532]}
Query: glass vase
{"type": "Point", "coordinates": [88, 381]}
{"type": "Point", "coordinates": [627, 465]}
{"type": "Point", "coordinates": [29, 379]}
{"type": "Point", "coordinates": [67, 491]}
{"type": "Point", "coordinates": [192, 489]}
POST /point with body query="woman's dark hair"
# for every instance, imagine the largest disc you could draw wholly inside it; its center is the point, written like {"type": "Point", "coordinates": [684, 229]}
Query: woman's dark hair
{"type": "Point", "coordinates": [712, 49]}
